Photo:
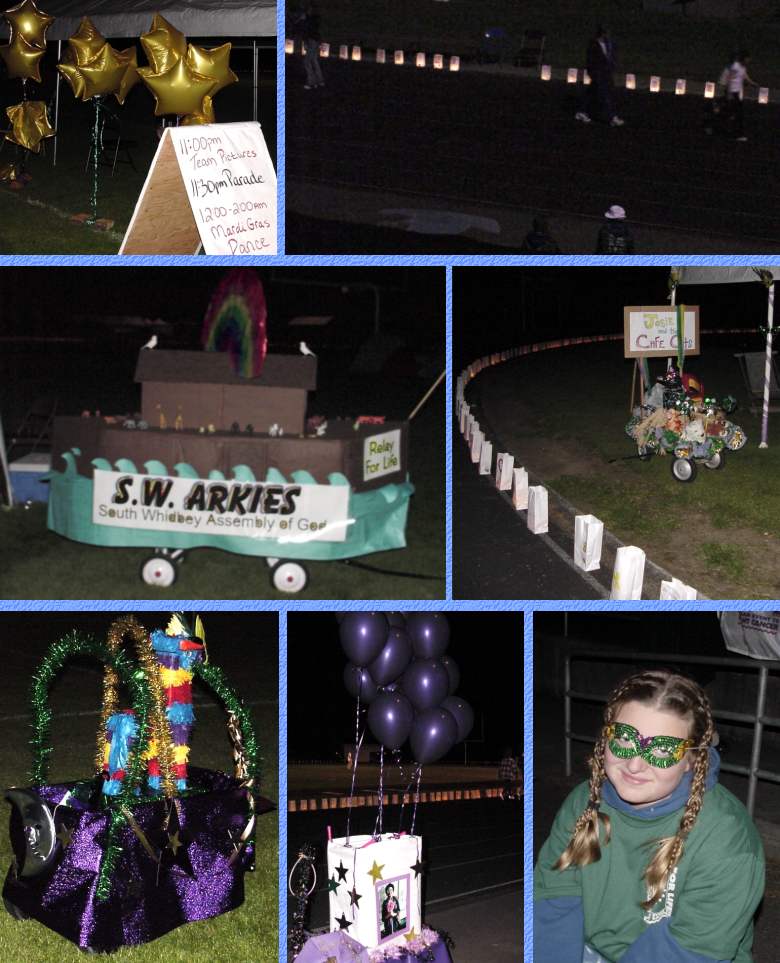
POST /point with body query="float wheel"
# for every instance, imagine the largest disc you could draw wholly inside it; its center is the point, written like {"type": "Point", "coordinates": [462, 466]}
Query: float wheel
{"type": "Point", "coordinates": [718, 460]}
{"type": "Point", "coordinates": [158, 571]}
{"type": "Point", "coordinates": [684, 469]}
{"type": "Point", "coordinates": [289, 577]}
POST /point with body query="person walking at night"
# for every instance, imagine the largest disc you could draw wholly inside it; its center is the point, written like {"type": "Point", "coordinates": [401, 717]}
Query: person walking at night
{"type": "Point", "coordinates": [651, 859]}
{"type": "Point", "coordinates": [509, 774]}
{"type": "Point", "coordinates": [733, 80]}
{"type": "Point", "coordinates": [614, 235]}
{"type": "Point", "coordinates": [309, 31]}
{"type": "Point", "coordinates": [600, 61]}
{"type": "Point", "coordinates": [539, 240]}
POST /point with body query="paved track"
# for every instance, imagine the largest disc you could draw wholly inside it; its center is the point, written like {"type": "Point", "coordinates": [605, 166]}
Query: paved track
{"type": "Point", "coordinates": [512, 141]}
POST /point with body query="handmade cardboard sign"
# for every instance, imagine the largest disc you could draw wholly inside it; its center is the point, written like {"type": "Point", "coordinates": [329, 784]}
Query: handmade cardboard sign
{"type": "Point", "coordinates": [212, 185]}
{"type": "Point", "coordinates": [288, 513]}
{"type": "Point", "coordinates": [649, 331]}
{"type": "Point", "coordinates": [381, 454]}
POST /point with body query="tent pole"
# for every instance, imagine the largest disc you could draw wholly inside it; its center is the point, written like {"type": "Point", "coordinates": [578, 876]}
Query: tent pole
{"type": "Point", "coordinates": [5, 480]}
{"type": "Point", "coordinates": [255, 77]}
{"type": "Point", "coordinates": [57, 107]}
{"type": "Point", "coordinates": [768, 367]}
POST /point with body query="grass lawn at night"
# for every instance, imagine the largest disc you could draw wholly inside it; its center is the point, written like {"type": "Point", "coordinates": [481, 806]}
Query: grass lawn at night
{"type": "Point", "coordinates": [563, 414]}
{"type": "Point", "coordinates": [664, 43]}
{"type": "Point", "coordinates": [249, 932]}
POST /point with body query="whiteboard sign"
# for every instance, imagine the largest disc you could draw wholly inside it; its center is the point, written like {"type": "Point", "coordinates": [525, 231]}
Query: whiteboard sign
{"type": "Point", "coordinates": [210, 185]}
{"type": "Point", "coordinates": [649, 330]}
{"type": "Point", "coordinates": [285, 513]}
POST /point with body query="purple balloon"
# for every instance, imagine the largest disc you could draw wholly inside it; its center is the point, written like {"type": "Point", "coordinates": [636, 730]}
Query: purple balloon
{"type": "Point", "coordinates": [452, 671]}
{"type": "Point", "coordinates": [359, 683]}
{"type": "Point", "coordinates": [434, 733]}
{"type": "Point", "coordinates": [362, 636]}
{"type": "Point", "coordinates": [390, 718]}
{"type": "Point", "coordinates": [398, 619]}
{"type": "Point", "coordinates": [425, 683]}
{"type": "Point", "coordinates": [429, 632]}
{"type": "Point", "coordinates": [393, 659]}
{"type": "Point", "coordinates": [462, 713]}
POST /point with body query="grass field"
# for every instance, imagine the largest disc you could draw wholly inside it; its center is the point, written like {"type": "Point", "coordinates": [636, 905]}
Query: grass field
{"type": "Point", "coordinates": [657, 42]}
{"type": "Point", "coordinates": [248, 933]}
{"type": "Point", "coordinates": [563, 418]}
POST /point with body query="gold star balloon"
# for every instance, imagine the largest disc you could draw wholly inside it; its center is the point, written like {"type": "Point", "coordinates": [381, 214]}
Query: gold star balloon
{"type": "Point", "coordinates": [22, 58]}
{"type": "Point", "coordinates": [86, 43]}
{"type": "Point", "coordinates": [179, 90]}
{"type": "Point", "coordinates": [104, 74]}
{"type": "Point", "coordinates": [212, 63]}
{"type": "Point", "coordinates": [130, 78]}
{"type": "Point", "coordinates": [93, 68]}
{"type": "Point", "coordinates": [163, 45]}
{"type": "Point", "coordinates": [203, 116]}
{"type": "Point", "coordinates": [29, 22]}
{"type": "Point", "coordinates": [29, 124]}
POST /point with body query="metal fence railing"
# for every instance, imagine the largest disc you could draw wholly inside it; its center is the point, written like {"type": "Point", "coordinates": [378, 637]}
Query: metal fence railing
{"type": "Point", "coordinates": [758, 719]}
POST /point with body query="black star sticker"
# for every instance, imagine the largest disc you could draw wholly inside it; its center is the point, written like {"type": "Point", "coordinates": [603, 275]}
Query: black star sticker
{"type": "Point", "coordinates": [354, 896]}
{"type": "Point", "coordinates": [342, 870]}
{"type": "Point", "coordinates": [418, 867]}
{"type": "Point", "coordinates": [333, 885]}
{"type": "Point", "coordinates": [175, 845]}
{"type": "Point", "coordinates": [344, 923]}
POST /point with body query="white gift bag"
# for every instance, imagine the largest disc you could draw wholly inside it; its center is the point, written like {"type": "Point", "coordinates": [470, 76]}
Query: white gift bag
{"type": "Point", "coordinates": [383, 876]}
{"type": "Point", "coordinates": [485, 458]}
{"type": "Point", "coordinates": [628, 574]}
{"type": "Point", "coordinates": [588, 535]}
{"type": "Point", "coordinates": [504, 466]}
{"type": "Point", "coordinates": [476, 444]}
{"type": "Point", "coordinates": [677, 591]}
{"type": "Point", "coordinates": [537, 509]}
{"type": "Point", "coordinates": [520, 488]}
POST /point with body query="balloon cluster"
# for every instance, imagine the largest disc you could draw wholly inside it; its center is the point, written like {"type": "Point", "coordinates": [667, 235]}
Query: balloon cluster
{"type": "Point", "coordinates": [399, 666]}
{"type": "Point", "coordinates": [183, 78]}
{"type": "Point", "coordinates": [22, 55]}
{"type": "Point", "coordinates": [93, 68]}
{"type": "Point", "coordinates": [27, 43]}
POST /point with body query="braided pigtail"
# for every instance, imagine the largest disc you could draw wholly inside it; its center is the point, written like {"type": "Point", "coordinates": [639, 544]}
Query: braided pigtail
{"type": "Point", "coordinates": [670, 850]}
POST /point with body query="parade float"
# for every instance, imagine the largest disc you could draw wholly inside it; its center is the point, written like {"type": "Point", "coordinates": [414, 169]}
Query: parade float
{"type": "Point", "coordinates": [222, 455]}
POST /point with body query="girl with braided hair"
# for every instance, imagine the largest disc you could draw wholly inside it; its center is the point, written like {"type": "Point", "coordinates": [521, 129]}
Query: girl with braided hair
{"type": "Point", "coordinates": [650, 861]}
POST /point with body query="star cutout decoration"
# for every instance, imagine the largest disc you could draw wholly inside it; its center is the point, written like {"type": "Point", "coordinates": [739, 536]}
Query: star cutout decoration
{"type": "Point", "coordinates": [342, 870]}
{"type": "Point", "coordinates": [175, 846]}
{"type": "Point", "coordinates": [174, 843]}
{"type": "Point", "coordinates": [376, 872]}
{"type": "Point", "coordinates": [344, 923]}
{"type": "Point", "coordinates": [354, 897]}
{"type": "Point", "coordinates": [418, 867]}
{"type": "Point", "coordinates": [333, 885]}
{"type": "Point", "coordinates": [411, 935]}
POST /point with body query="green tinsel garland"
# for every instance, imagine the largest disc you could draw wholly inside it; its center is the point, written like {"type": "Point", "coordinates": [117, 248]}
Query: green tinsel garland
{"type": "Point", "coordinates": [134, 679]}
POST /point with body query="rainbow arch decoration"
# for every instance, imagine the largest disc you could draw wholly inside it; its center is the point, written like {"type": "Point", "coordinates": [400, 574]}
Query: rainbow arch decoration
{"type": "Point", "coordinates": [235, 322]}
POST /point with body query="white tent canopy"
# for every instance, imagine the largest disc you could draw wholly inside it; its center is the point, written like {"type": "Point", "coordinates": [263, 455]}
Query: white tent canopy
{"type": "Point", "coordinates": [722, 275]}
{"type": "Point", "coordinates": [738, 275]}
{"type": "Point", "coordinates": [195, 18]}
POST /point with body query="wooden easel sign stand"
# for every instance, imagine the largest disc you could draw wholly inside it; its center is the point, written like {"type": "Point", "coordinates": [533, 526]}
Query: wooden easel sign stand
{"type": "Point", "coordinates": [211, 186]}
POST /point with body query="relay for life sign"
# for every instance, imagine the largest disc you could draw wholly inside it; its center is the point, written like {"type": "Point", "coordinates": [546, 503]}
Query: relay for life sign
{"type": "Point", "coordinates": [381, 454]}
{"type": "Point", "coordinates": [652, 331]}
{"type": "Point", "coordinates": [286, 513]}
{"type": "Point", "coordinates": [212, 185]}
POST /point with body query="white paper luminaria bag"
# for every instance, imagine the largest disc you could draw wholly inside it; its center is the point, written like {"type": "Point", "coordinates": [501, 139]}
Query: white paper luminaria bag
{"type": "Point", "coordinates": [477, 437]}
{"type": "Point", "coordinates": [375, 888]}
{"type": "Point", "coordinates": [588, 535]}
{"type": "Point", "coordinates": [537, 509]}
{"type": "Point", "coordinates": [628, 574]}
{"type": "Point", "coordinates": [520, 488]}
{"type": "Point", "coordinates": [677, 591]}
{"type": "Point", "coordinates": [504, 465]}
{"type": "Point", "coordinates": [485, 458]}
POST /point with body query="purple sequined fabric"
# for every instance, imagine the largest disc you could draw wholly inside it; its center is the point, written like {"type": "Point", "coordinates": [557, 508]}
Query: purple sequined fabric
{"type": "Point", "coordinates": [143, 903]}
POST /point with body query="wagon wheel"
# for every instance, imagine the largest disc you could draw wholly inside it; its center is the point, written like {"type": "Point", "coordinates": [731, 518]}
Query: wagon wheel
{"type": "Point", "coordinates": [289, 577]}
{"type": "Point", "coordinates": [684, 469]}
{"type": "Point", "coordinates": [161, 569]}
{"type": "Point", "coordinates": [717, 460]}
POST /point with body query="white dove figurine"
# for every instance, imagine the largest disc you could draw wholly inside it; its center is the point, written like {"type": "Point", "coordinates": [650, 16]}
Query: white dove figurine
{"type": "Point", "coordinates": [305, 349]}
{"type": "Point", "coordinates": [151, 343]}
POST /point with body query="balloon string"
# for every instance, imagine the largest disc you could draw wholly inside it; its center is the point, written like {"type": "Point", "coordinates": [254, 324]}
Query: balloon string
{"type": "Point", "coordinates": [403, 803]}
{"type": "Point", "coordinates": [358, 742]}
{"type": "Point", "coordinates": [416, 799]}
{"type": "Point", "coordinates": [96, 150]}
{"type": "Point", "coordinates": [378, 825]}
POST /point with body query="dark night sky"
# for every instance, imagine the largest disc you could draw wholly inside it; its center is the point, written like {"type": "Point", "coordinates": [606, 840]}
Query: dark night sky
{"type": "Point", "coordinates": [487, 646]}
{"type": "Point", "coordinates": [496, 308]}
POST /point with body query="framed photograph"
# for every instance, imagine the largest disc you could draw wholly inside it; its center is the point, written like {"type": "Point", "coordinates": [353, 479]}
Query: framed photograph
{"type": "Point", "coordinates": [392, 907]}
